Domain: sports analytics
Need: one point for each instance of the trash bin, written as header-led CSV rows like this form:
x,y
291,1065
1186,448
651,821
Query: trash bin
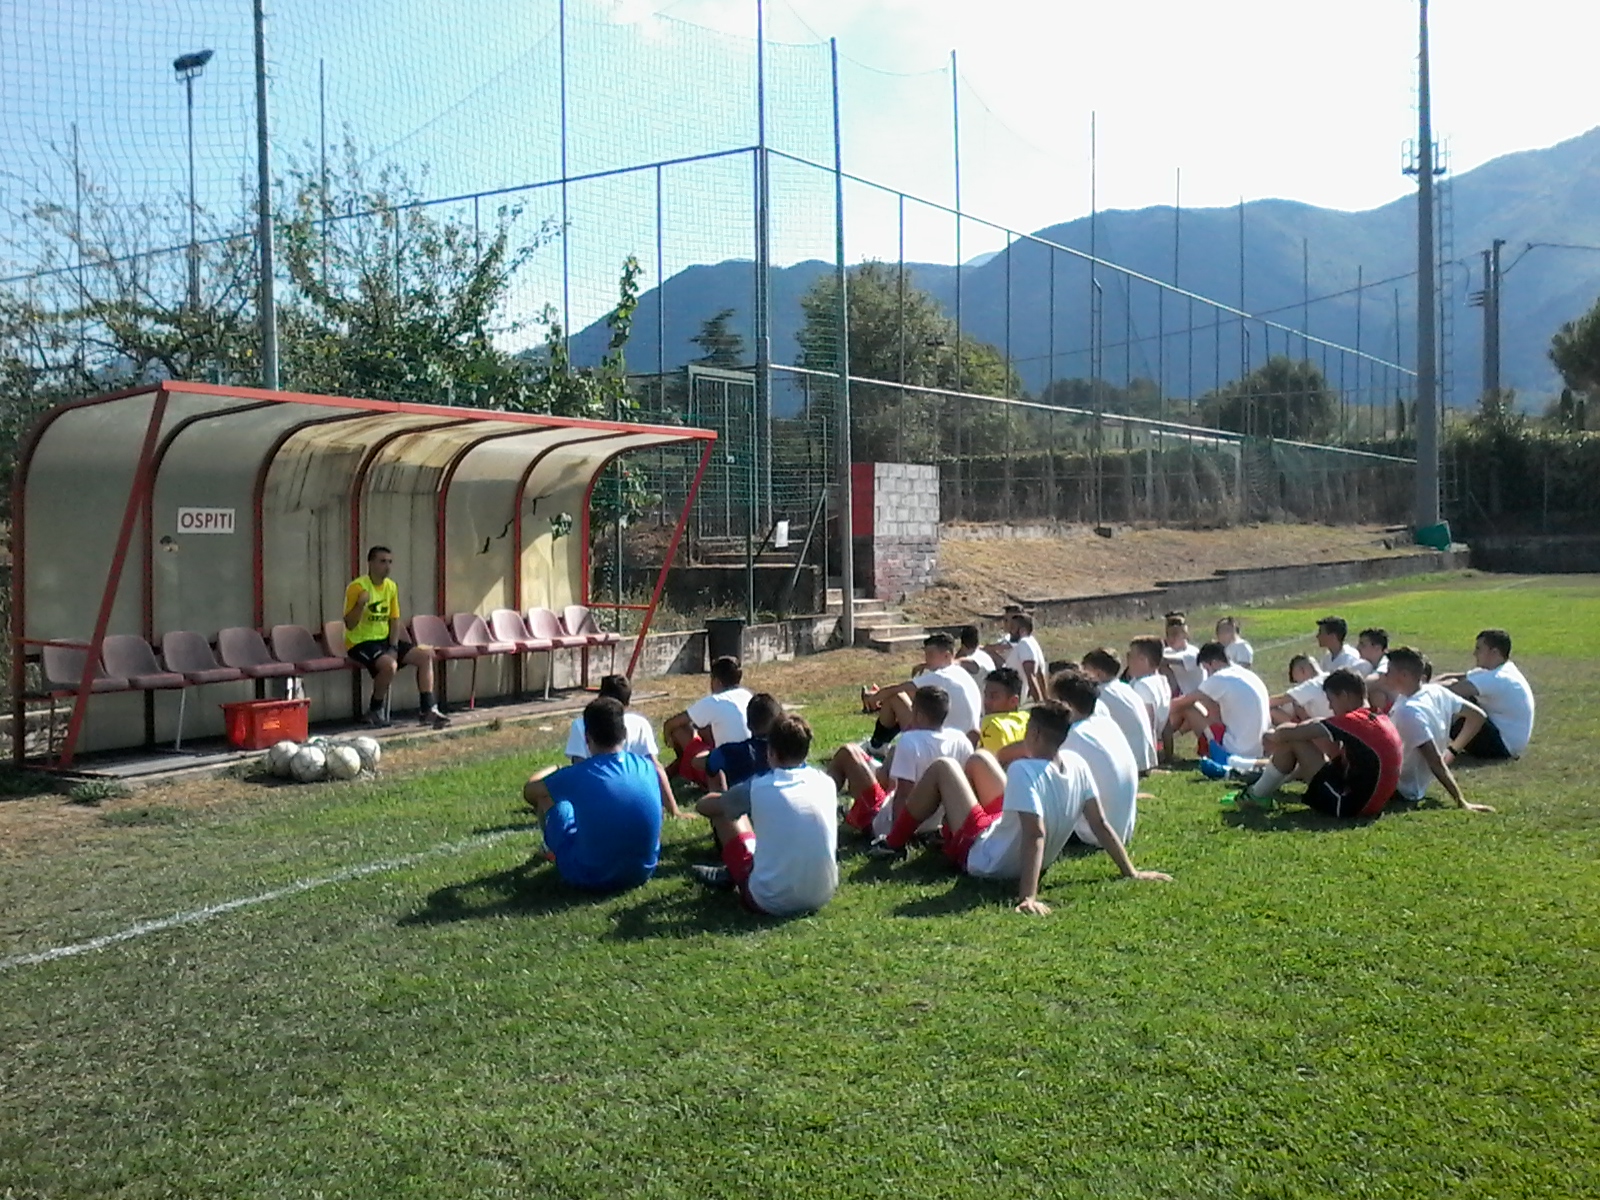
x,y
724,637
1435,537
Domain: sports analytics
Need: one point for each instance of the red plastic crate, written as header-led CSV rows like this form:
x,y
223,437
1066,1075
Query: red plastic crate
x,y
257,724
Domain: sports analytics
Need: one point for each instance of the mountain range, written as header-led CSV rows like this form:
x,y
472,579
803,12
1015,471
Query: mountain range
x,y
1545,198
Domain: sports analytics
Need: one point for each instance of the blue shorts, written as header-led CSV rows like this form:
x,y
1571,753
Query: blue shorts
x,y
562,841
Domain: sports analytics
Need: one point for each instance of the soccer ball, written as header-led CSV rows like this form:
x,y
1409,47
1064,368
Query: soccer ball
x,y
278,758
368,749
344,762
308,764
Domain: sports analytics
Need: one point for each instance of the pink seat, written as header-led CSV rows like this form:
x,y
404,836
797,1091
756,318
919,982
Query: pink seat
x,y
545,625
297,646
189,654
63,671
470,630
246,650
130,657
429,630
579,622
507,626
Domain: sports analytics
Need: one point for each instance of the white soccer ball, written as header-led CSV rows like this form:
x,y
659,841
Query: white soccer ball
x,y
344,762
369,750
308,764
279,756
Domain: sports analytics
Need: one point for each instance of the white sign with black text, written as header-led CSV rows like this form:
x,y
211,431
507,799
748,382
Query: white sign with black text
x,y
205,520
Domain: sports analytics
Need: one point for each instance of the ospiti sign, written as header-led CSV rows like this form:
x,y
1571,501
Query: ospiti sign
x,y
205,520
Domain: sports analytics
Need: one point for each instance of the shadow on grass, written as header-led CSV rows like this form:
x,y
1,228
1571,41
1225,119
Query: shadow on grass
x,y
531,889
691,912
22,785
1295,819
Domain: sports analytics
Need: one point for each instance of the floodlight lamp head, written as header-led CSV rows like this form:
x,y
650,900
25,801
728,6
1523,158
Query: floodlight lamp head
x,y
189,66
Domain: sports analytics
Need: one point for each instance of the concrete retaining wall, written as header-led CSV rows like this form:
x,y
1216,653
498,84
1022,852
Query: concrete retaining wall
x,y
1535,554
1239,586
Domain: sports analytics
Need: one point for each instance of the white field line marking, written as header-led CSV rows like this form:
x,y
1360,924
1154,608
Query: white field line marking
x,y
196,916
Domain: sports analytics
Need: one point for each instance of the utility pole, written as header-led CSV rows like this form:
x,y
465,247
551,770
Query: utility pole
x,y
188,68
1427,405
266,301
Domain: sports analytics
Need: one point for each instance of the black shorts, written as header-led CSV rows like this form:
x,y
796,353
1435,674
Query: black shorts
x,y
1344,787
1488,744
368,653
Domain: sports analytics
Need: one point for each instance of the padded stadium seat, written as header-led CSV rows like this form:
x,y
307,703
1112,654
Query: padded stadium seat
x,y
431,631
472,634
546,625
190,655
507,626
63,671
130,657
246,650
578,620
297,646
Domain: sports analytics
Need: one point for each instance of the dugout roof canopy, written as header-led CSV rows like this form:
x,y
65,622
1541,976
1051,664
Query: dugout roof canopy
x,y
193,506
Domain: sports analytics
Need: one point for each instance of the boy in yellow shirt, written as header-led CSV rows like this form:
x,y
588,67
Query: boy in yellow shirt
x,y
1004,722
371,622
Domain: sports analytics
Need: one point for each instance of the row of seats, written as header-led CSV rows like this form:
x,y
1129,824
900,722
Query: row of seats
x,y
186,659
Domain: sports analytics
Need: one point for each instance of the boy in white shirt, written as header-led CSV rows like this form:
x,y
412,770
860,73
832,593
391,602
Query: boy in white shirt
x,y
1097,740
1337,654
641,737
716,719
1423,714
1231,708
1305,700
1153,687
893,704
978,661
1498,687
874,786
1122,704
779,831
1373,647
1022,653
1240,652
1178,663
1019,833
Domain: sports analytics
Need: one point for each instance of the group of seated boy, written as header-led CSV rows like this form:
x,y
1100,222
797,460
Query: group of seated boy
x,y
1002,759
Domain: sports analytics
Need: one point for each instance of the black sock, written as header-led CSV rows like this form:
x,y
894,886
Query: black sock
x,y
376,705
425,701
882,735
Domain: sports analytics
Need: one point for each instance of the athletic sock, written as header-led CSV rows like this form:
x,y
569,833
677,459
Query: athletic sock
x,y
882,735
905,824
425,701
1271,780
376,704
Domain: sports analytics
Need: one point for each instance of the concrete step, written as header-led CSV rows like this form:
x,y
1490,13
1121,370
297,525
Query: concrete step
x,y
887,629
901,643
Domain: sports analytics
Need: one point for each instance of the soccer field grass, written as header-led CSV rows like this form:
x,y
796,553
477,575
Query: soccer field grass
x,y
1404,1007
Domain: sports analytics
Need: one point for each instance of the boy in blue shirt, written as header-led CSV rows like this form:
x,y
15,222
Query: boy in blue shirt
x,y
736,762
601,816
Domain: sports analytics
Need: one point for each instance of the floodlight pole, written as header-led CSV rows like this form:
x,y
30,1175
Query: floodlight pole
x,y
194,241
265,302
762,456
1427,403
846,506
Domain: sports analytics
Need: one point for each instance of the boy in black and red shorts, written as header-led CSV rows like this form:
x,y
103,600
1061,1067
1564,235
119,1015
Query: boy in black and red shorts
x,y
1350,760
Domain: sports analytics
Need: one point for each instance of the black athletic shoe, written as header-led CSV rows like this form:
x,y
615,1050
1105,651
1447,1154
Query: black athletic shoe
x,y
881,849
433,718
712,875
930,839
376,720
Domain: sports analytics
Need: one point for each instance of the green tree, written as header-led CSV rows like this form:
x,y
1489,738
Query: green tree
x,y
907,340
723,347
1575,352
1282,398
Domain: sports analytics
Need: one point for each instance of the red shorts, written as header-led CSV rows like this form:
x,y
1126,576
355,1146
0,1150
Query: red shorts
x,y
739,856
866,807
959,844
1218,732
685,767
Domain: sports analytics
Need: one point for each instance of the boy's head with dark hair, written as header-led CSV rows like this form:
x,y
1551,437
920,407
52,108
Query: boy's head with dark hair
x,y
1407,666
726,673
1144,655
1371,643
1002,691
930,707
1176,631
603,725
1331,632
1228,628
1492,648
1102,664
618,688
379,561
1023,621
969,638
374,551
789,741
1059,664
938,650
1302,668
761,713
1048,724
1346,690
1076,690
1214,655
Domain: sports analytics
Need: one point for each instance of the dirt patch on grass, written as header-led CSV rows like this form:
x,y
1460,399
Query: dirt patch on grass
x,y
978,576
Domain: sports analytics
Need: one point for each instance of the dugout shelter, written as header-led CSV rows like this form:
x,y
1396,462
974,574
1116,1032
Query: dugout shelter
x,y
192,507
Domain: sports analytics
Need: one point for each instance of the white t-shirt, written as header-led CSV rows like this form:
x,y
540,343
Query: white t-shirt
x,y
1156,693
1185,667
641,737
1053,791
1378,668
1026,649
1100,744
1504,694
1126,708
795,815
1240,652
1244,708
1310,696
724,712
915,751
966,702
981,659
1424,717
1347,659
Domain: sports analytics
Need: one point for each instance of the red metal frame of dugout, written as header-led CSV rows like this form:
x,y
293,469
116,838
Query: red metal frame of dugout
x,y
153,451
